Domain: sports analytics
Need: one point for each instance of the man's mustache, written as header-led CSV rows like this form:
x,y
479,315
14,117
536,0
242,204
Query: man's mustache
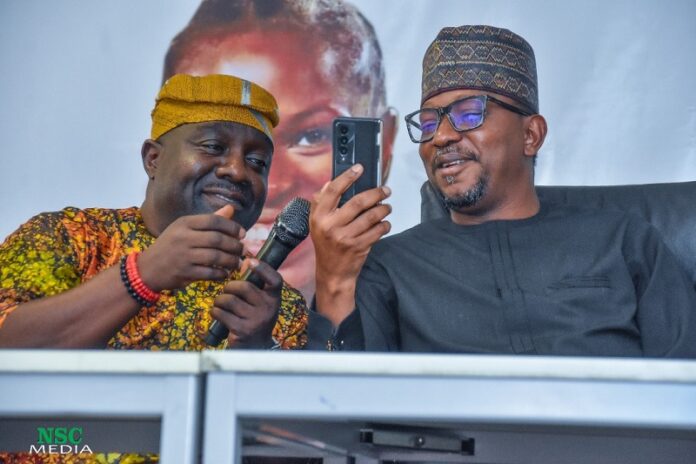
x,y
465,155
242,189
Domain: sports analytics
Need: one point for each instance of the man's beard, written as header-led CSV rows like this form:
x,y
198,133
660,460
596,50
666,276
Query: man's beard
x,y
468,198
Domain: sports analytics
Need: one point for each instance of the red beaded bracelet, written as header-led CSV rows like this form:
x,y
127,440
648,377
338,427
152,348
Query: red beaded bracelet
x,y
140,287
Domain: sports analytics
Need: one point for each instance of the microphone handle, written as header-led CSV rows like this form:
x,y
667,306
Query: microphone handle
x,y
272,252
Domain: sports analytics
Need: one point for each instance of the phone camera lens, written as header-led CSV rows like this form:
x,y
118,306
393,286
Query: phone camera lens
x,y
343,129
343,140
343,150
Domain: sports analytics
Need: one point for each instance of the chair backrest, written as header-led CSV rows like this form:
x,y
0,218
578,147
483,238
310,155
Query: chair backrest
x,y
670,207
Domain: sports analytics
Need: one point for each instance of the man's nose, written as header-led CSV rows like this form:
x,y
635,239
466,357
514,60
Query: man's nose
x,y
233,167
445,133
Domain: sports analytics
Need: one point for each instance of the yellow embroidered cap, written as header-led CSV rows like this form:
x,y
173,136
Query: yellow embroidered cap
x,y
186,99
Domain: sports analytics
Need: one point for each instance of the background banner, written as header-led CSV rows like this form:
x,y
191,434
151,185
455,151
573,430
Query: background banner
x,y
79,81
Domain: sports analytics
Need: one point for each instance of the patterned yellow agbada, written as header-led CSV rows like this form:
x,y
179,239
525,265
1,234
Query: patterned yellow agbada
x,y
54,252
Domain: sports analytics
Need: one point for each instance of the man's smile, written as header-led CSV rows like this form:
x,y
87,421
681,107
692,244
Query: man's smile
x,y
227,194
451,163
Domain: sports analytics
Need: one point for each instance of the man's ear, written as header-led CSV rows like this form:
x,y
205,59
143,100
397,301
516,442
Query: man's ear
x,y
150,153
534,134
390,125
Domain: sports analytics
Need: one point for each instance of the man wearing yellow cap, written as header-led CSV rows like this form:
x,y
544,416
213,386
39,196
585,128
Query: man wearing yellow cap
x,y
152,277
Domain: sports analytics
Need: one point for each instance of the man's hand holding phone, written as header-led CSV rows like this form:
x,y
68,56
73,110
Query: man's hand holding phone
x,y
342,239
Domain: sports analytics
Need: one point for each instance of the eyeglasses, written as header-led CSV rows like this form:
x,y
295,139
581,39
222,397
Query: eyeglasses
x,y
464,115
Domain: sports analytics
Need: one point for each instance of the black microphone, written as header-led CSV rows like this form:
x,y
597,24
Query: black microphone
x,y
289,229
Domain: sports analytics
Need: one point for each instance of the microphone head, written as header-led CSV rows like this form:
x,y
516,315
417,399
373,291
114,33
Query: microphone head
x,y
292,224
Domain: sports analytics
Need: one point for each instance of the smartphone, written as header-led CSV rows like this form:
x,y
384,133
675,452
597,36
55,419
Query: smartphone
x,y
358,140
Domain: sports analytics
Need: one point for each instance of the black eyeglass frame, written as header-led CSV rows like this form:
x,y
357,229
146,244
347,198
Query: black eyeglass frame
x,y
445,111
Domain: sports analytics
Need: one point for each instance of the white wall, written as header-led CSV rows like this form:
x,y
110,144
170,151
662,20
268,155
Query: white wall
x,y
79,80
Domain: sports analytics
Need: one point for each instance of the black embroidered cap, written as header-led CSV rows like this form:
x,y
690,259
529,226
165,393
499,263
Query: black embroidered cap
x,y
484,58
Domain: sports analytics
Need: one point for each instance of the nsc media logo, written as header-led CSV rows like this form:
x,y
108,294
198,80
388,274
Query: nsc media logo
x,y
59,440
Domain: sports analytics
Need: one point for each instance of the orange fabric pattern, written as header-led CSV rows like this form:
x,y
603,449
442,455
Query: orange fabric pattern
x,y
54,252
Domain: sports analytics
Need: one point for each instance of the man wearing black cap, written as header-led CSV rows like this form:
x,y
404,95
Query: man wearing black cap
x,y
504,273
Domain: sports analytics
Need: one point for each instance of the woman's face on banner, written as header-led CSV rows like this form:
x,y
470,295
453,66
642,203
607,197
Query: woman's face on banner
x,y
293,66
